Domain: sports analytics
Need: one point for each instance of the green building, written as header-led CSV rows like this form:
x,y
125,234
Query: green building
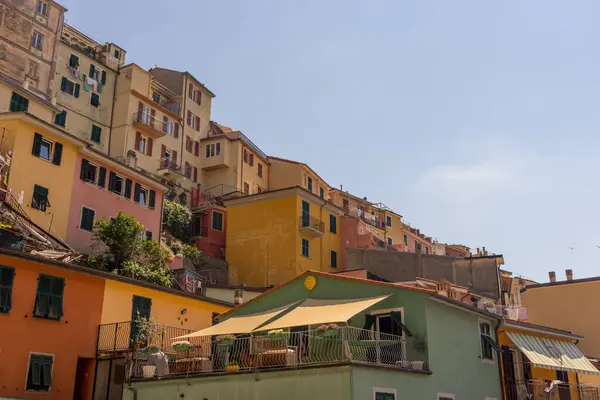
x,y
327,337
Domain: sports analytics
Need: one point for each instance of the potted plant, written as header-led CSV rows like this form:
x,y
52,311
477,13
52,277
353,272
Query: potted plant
x,y
182,345
276,334
326,330
225,340
148,371
233,367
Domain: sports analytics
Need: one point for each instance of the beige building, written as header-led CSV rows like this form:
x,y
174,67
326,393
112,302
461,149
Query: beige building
x,y
287,173
86,74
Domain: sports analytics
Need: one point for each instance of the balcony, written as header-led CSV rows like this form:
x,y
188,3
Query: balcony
x,y
534,389
151,125
344,345
216,161
312,226
170,169
119,337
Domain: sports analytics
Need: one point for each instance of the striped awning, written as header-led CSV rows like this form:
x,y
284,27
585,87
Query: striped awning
x,y
553,354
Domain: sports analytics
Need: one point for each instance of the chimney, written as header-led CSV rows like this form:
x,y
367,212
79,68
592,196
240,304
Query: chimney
x,y
484,251
552,276
478,252
341,188
238,296
569,274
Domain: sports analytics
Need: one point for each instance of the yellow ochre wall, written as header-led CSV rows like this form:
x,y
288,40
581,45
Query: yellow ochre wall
x,y
27,170
166,307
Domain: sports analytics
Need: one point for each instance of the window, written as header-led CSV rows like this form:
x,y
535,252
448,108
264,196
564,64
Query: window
x,y
251,160
34,67
345,204
141,145
94,72
305,213
96,134
117,54
305,247
40,198
142,195
7,277
91,172
259,189
416,245
73,61
189,144
68,87
321,193
384,394
60,119
115,184
246,156
389,241
445,396
87,219
217,221
213,150
405,239
259,170
333,259
246,188
42,8
156,97
37,40
487,342
49,297
332,223
18,103
388,220
148,235
39,372
191,91
309,184
143,198
95,100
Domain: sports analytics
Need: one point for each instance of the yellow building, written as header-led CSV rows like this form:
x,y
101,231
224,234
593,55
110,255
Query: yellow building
x,y
42,165
534,356
569,304
274,236
287,173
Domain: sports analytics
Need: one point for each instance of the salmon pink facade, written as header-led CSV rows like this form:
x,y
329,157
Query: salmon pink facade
x,y
102,188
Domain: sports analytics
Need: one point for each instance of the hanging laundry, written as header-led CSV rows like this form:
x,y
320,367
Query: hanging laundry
x,y
92,82
86,87
100,86
82,77
76,74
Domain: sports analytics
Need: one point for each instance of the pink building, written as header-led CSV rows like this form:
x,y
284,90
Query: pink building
x,y
208,224
101,188
416,242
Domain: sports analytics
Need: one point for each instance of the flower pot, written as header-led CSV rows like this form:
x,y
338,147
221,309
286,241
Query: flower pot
x,y
417,364
233,368
148,371
277,337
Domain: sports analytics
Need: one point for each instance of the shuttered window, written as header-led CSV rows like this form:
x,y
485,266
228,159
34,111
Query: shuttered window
x,y
217,221
87,219
60,119
332,223
7,277
18,103
333,259
96,134
49,297
305,247
39,200
95,100
39,374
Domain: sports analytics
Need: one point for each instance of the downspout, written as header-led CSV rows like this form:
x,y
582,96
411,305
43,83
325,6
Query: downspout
x,y
321,239
185,96
112,112
242,169
500,363
55,55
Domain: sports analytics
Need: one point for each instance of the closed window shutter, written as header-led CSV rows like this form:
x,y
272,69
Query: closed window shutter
x,y
198,124
174,156
195,175
152,199
103,77
165,123
84,168
111,181
77,88
136,193
63,84
199,97
208,150
251,159
152,116
176,130
92,69
189,118
102,177
163,151
128,188
150,143
138,141
37,144
140,109
58,147
196,149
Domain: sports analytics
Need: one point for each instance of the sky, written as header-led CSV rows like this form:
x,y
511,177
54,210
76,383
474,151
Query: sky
x,y
476,120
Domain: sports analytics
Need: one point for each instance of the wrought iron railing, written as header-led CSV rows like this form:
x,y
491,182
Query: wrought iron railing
x,y
145,118
121,336
289,350
167,163
542,389
306,221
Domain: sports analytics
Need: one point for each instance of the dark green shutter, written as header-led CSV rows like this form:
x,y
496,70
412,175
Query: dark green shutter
x,y
63,84
102,177
58,147
84,168
96,133
136,193
128,188
111,181
37,144
77,87
92,69
332,223
103,78
152,201
7,276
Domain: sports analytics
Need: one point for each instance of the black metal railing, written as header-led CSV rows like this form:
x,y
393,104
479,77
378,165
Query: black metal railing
x,y
306,221
167,163
121,336
543,389
145,118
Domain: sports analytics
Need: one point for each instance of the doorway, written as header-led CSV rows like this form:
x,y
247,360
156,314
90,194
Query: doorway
x,y
84,379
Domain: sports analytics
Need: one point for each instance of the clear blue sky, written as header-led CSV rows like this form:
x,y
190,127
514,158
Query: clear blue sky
x,y
476,120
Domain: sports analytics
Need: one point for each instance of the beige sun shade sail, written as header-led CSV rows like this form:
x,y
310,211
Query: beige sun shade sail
x,y
313,312
241,324
553,354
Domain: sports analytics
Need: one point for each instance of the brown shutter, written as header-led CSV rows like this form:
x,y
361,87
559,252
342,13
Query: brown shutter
x,y
150,143
195,175
189,118
140,109
251,159
174,156
152,115
163,150
165,123
196,148
199,97
176,130
198,124
191,90
138,139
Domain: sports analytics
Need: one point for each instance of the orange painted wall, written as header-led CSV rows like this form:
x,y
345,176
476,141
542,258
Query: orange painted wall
x,y
72,337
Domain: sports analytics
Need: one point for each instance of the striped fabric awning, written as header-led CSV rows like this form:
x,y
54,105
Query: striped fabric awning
x,y
553,354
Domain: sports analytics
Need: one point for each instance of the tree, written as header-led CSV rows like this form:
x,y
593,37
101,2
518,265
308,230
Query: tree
x,y
176,219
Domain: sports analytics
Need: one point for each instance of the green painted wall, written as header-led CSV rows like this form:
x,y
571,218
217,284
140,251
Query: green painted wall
x,y
331,383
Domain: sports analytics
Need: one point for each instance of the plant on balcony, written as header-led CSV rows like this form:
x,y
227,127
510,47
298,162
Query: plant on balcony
x,y
148,332
176,219
182,345
326,330
233,367
277,334
225,339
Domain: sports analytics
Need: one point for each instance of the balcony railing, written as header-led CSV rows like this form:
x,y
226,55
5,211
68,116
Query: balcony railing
x,y
120,336
345,345
167,163
312,225
146,119
539,389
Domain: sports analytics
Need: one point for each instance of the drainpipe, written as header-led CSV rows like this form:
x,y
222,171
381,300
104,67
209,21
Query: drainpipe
x,y
500,363
321,239
242,170
185,96
112,112
133,391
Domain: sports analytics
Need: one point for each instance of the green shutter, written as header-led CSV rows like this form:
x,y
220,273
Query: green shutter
x,y
103,81
95,100
128,188
58,147
102,177
152,201
77,88
96,133
7,277
37,144
47,369
84,168
92,69
49,297
63,84
61,119
111,181
136,193
36,372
